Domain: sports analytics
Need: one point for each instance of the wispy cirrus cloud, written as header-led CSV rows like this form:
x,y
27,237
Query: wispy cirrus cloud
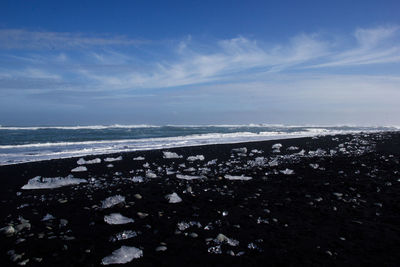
x,y
105,63
24,39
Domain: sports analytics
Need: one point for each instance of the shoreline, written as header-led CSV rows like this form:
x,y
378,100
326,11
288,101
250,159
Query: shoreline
x,y
121,151
308,208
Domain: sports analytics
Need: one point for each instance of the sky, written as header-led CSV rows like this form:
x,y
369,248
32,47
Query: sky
x,y
199,62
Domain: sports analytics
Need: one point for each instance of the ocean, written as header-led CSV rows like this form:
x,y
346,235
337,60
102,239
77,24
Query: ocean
x,y
25,144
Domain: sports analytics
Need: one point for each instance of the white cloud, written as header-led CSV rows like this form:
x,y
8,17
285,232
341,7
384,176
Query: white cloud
x,y
24,39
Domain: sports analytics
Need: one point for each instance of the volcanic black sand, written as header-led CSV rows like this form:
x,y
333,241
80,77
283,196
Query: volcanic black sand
x,y
337,203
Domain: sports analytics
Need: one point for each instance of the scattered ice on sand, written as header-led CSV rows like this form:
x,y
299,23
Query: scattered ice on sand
x,y
241,177
139,158
112,201
173,198
48,217
82,161
287,171
314,166
150,174
113,159
221,238
194,158
47,183
117,218
171,155
277,146
188,177
240,150
122,255
79,169
123,235
137,179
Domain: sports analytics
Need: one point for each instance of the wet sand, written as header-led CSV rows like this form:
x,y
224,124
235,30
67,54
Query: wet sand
x,y
336,203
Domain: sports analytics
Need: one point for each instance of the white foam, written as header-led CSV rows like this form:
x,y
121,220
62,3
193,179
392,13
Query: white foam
x,y
123,255
48,183
171,155
117,218
79,169
189,177
173,198
112,201
241,177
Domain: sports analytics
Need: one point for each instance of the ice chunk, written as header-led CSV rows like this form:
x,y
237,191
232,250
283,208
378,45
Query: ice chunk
x,y
47,183
277,146
287,171
188,177
221,238
314,166
171,155
79,169
256,151
291,148
48,217
212,162
194,158
123,235
240,150
117,218
81,161
137,179
113,159
241,177
122,255
139,158
112,201
150,174
173,198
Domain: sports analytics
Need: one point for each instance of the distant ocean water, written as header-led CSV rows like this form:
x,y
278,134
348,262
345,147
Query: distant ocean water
x,y
24,144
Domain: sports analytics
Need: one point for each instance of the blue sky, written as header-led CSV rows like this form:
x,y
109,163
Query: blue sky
x,y
199,62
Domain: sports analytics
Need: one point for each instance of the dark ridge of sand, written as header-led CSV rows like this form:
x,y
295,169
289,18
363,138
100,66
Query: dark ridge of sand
x,y
345,211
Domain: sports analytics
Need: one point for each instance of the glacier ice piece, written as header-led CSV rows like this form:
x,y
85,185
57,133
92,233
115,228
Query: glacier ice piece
x,y
39,182
123,255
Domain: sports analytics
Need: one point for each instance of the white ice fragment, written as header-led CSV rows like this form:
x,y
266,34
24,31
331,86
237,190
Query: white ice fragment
x,y
212,162
291,148
117,218
240,150
151,175
188,177
241,177
122,255
110,166
273,163
137,179
112,201
171,155
221,238
79,169
123,235
48,183
194,158
287,171
139,158
256,151
82,161
113,159
173,198
48,217
277,146
314,166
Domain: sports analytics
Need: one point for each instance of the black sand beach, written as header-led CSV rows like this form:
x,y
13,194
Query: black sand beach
x,y
337,203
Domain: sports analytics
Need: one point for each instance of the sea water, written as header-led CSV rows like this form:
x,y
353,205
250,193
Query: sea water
x,y
25,144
